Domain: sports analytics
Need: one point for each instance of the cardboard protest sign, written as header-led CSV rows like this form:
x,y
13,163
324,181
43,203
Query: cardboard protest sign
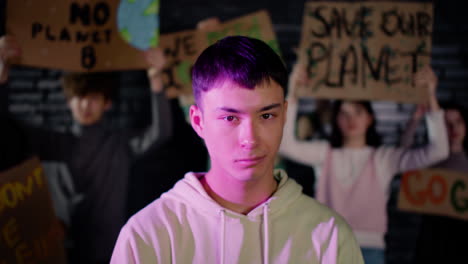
x,y
183,48
29,231
82,35
138,22
435,191
365,50
255,25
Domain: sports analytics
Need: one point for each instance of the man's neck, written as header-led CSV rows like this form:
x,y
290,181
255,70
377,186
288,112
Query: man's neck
x,y
238,196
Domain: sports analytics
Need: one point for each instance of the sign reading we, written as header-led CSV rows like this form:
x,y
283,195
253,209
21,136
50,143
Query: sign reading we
x,y
256,25
81,35
365,50
29,231
434,191
183,48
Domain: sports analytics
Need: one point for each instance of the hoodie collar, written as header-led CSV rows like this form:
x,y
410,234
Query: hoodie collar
x,y
190,191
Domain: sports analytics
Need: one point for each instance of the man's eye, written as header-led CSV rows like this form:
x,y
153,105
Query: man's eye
x,y
267,116
230,118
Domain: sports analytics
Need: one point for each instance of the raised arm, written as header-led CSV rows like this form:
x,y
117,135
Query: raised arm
x,y
9,49
306,152
49,145
161,125
403,159
407,137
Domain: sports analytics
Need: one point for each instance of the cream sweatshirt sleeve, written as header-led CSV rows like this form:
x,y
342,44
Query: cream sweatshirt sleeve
x,y
390,160
131,248
311,153
349,251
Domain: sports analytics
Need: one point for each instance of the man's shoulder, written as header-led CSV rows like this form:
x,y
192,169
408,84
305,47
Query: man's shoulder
x,y
155,208
316,212
153,216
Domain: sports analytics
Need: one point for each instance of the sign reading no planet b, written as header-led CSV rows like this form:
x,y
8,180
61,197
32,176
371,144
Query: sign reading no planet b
x,y
435,191
84,35
365,50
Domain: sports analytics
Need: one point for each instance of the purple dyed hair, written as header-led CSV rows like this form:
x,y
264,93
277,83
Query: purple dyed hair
x,y
245,61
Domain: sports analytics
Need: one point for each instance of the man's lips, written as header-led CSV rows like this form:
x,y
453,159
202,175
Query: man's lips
x,y
250,160
86,114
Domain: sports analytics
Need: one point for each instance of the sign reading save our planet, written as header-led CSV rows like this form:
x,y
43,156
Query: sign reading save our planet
x,y
366,49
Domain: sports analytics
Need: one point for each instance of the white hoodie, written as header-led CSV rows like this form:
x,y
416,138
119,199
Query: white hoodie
x,y
186,225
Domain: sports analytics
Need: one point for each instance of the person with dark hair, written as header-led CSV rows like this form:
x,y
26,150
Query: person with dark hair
x,y
241,210
97,157
372,138
456,120
356,172
442,239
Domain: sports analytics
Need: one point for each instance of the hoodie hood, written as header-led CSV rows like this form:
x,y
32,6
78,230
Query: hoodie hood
x,y
187,226
191,192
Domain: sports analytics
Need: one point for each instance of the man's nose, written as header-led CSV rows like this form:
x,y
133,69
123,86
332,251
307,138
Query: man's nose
x,y
84,103
249,135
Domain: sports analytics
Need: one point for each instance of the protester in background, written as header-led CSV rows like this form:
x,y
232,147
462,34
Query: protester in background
x,y
442,239
97,157
241,210
183,152
355,170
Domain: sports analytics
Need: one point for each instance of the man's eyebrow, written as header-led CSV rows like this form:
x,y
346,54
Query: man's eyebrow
x,y
269,107
229,110
236,111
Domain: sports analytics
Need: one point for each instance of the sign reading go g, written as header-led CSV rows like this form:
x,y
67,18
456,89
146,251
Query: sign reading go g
x,y
434,191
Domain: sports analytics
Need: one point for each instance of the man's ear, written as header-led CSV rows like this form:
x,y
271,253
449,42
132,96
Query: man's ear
x,y
196,119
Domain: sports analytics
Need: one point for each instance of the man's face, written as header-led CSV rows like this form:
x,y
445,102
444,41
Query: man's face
x,y
353,120
89,109
242,128
456,127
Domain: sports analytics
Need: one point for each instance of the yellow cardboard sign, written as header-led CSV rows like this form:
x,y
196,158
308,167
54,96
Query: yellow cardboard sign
x,y
29,230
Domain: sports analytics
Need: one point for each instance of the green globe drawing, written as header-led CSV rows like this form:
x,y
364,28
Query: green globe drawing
x,y
138,22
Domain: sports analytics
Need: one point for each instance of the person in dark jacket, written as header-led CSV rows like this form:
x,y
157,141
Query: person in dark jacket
x,y
98,158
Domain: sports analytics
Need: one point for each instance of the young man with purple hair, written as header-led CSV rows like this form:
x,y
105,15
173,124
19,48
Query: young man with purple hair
x,y
242,210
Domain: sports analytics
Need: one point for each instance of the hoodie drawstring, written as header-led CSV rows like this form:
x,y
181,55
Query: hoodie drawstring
x,y
266,238
223,229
